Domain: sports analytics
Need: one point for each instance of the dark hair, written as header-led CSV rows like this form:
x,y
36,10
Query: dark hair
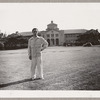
x,y
34,30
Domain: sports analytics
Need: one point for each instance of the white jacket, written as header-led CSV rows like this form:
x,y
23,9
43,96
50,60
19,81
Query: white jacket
x,y
35,45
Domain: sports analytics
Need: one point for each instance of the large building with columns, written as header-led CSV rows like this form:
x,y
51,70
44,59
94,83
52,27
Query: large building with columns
x,y
57,37
53,35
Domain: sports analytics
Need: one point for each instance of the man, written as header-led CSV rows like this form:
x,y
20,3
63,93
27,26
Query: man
x,y
36,44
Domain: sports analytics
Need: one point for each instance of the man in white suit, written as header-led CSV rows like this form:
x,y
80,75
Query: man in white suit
x,y
36,44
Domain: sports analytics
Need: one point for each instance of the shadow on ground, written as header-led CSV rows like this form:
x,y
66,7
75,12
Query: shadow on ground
x,y
17,82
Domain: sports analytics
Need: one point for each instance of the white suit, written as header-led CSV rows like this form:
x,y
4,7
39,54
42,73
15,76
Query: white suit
x,y
35,45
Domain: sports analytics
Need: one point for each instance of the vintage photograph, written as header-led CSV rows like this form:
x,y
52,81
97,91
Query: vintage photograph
x,y
50,46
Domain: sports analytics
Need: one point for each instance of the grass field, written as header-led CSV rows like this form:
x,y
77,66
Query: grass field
x,y
65,68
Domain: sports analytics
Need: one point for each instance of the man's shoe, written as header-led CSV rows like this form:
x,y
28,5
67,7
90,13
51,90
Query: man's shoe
x,y
40,78
33,78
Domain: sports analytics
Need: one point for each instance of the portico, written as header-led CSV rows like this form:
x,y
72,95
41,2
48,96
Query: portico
x,y
52,37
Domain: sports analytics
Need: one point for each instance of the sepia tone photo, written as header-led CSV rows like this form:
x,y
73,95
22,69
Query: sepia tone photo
x,y
49,46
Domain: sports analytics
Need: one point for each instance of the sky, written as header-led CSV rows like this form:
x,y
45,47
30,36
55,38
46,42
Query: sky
x,y
23,17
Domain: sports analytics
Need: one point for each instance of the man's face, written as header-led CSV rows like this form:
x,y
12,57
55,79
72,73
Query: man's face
x,y
35,32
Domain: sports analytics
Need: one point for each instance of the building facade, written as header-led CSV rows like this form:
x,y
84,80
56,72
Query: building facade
x,y
71,36
56,37
53,35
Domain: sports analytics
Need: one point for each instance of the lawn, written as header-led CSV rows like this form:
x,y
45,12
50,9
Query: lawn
x,y
65,68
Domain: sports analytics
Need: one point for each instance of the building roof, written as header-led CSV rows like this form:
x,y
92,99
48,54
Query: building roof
x,y
28,33
25,33
73,31
52,23
70,31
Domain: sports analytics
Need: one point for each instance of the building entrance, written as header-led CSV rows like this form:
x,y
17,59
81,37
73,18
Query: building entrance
x,y
48,40
52,42
57,41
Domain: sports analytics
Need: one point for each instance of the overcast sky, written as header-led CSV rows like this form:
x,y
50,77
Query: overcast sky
x,y
24,16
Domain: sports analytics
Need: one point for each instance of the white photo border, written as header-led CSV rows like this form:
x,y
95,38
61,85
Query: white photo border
x,y
49,94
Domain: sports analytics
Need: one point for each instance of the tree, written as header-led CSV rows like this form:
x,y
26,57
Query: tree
x,y
91,36
1,46
15,42
1,35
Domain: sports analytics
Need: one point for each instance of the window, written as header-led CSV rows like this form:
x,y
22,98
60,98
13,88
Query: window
x,y
48,35
52,35
67,35
56,35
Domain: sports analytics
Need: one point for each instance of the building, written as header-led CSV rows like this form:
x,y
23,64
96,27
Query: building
x,y
56,37
53,35
70,36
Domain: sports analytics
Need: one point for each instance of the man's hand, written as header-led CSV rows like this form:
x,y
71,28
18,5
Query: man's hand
x,y
30,57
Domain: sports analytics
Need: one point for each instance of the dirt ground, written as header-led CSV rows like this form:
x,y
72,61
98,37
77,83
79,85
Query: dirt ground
x,y
65,68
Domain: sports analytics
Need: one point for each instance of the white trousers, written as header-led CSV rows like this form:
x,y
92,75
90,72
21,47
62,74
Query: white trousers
x,y
36,67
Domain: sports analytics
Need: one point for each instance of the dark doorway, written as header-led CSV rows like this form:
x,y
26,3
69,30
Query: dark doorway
x,y
48,40
57,41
